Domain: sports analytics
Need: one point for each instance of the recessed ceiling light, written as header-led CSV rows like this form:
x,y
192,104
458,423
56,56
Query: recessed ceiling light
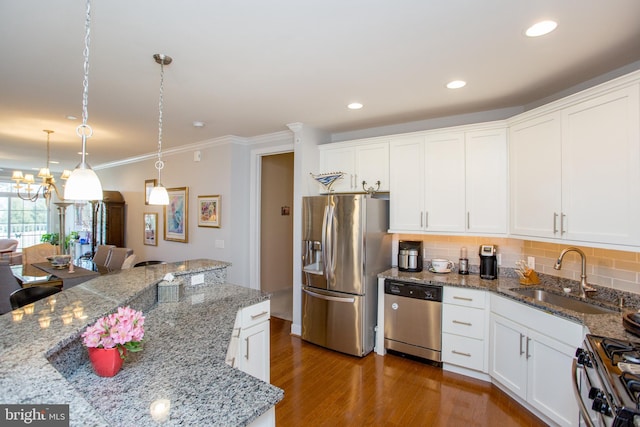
x,y
355,106
70,117
541,28
198,124
456,84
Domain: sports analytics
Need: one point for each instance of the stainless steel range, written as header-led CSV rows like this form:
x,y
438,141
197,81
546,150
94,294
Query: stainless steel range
x,y
606,374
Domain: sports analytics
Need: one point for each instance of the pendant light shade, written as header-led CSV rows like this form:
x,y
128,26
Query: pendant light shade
x,y
159,195
83,183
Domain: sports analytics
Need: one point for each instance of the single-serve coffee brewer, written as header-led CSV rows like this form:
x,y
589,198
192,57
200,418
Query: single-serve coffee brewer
x,y
488,262
410,255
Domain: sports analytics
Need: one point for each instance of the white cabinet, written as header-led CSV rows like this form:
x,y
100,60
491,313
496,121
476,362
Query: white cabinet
x,y
486,181
361,162
531,354
249,349
464,329
574,171
449,182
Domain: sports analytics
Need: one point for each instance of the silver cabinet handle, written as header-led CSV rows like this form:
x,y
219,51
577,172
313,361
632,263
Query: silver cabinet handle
x,y
246,356
461,353
421,222
426,219
463,298
555,221
468,220
528,355
461,323
255,316
562,223
521,350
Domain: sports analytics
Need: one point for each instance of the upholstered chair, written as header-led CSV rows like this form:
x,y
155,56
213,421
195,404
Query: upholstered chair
x,y
8,284
101,256
117,257
38,253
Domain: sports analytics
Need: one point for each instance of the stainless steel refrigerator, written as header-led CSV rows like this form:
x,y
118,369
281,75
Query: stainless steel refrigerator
x,y
344,246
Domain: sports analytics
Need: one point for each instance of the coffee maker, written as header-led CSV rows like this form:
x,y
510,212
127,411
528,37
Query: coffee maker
x,y
410,255
488,262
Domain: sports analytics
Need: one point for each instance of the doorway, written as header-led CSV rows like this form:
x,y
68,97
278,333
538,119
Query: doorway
x,y
276,232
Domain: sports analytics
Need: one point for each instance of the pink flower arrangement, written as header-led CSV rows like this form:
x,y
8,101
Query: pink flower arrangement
x,y
123,329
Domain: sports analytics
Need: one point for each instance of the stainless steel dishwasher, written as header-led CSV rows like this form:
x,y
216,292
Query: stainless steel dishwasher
x,y
413,319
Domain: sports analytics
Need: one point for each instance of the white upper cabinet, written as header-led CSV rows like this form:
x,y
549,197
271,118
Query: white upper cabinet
x,y
535,177
486,181
449,182
574,171
601,169
361,162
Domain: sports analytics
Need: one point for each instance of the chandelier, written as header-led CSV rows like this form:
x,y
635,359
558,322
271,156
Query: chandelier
x,y
31,191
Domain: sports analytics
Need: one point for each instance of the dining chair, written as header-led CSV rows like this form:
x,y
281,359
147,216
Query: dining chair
x,y
24,296
128,262
101,256
150,262
117,257
38,253
8,284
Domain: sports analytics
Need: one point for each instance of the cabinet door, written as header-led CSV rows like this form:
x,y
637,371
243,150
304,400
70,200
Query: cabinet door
x,y
444,182
601,169
535,171
406,198
508,363
372,165
339,160
486,181
549,387
254,349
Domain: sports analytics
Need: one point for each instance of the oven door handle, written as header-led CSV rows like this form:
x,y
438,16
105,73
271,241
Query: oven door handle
x,y
576,390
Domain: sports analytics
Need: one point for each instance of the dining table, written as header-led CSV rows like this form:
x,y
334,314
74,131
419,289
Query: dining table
x,y
69,278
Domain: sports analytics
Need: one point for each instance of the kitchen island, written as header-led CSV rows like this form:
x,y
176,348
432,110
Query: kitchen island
x,y
43,361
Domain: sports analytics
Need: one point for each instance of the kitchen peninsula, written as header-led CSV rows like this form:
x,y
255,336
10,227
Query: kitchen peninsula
x,y
43,361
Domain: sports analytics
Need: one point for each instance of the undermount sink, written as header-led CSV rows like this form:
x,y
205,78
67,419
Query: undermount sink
x,y
563,301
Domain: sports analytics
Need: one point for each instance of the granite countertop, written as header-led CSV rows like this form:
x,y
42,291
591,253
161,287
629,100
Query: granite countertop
x,y
183,359
609,325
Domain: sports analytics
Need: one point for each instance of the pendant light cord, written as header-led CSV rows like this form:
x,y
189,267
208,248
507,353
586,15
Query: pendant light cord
x,y
159,163
84,130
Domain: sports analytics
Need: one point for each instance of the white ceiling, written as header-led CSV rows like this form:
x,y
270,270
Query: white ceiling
x,y
249,67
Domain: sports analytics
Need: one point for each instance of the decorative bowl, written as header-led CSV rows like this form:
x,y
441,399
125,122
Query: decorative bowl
x,y
59,261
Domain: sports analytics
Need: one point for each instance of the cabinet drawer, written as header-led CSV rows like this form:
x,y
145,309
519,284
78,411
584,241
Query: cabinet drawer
x,y
255,314
462,351
463,296
467,322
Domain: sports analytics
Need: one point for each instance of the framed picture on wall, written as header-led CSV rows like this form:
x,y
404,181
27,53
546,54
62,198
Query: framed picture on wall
x,y
150,229
176,215
148,186
209,211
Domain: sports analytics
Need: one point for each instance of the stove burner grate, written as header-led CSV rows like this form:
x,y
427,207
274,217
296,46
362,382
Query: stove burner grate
x,y
621,351
631,383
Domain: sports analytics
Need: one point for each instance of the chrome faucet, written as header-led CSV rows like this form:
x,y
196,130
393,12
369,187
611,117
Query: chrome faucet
x,y
584,287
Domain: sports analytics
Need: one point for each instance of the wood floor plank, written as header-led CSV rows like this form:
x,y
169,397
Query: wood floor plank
x,y
327,388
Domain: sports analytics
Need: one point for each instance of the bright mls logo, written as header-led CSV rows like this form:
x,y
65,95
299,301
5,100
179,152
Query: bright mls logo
x,y
34,415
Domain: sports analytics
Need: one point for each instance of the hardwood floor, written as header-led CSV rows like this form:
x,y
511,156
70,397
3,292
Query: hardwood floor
x,y
327,388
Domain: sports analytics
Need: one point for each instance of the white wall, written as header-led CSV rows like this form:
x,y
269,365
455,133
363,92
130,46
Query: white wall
x,y
224,169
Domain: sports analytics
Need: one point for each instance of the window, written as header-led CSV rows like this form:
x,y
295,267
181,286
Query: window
x,y
24,221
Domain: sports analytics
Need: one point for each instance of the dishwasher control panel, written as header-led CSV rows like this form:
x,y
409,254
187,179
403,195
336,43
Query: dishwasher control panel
x,y
413,290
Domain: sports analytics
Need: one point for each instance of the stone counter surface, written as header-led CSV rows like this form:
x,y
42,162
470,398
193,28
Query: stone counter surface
x,y
609,325
183,358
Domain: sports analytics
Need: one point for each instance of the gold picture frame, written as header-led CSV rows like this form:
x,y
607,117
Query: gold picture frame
x,y
176,215
148,186
209,210
150,221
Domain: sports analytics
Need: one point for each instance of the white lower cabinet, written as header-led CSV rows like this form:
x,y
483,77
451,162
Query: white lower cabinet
x,y
464,330
249,349
531,354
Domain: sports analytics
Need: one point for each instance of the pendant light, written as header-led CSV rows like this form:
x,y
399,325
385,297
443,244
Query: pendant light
x,y
159,195
83,184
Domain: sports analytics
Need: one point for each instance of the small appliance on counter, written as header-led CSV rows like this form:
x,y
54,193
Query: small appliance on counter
x,y
488,262
410,255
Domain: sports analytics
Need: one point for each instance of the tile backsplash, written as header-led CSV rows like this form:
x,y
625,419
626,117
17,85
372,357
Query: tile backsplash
x,y
609,268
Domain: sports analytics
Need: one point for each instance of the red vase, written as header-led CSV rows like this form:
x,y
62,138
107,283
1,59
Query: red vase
x,y
106,361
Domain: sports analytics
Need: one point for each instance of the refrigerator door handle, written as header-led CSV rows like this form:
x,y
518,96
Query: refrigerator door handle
x,y
329,298
325,258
